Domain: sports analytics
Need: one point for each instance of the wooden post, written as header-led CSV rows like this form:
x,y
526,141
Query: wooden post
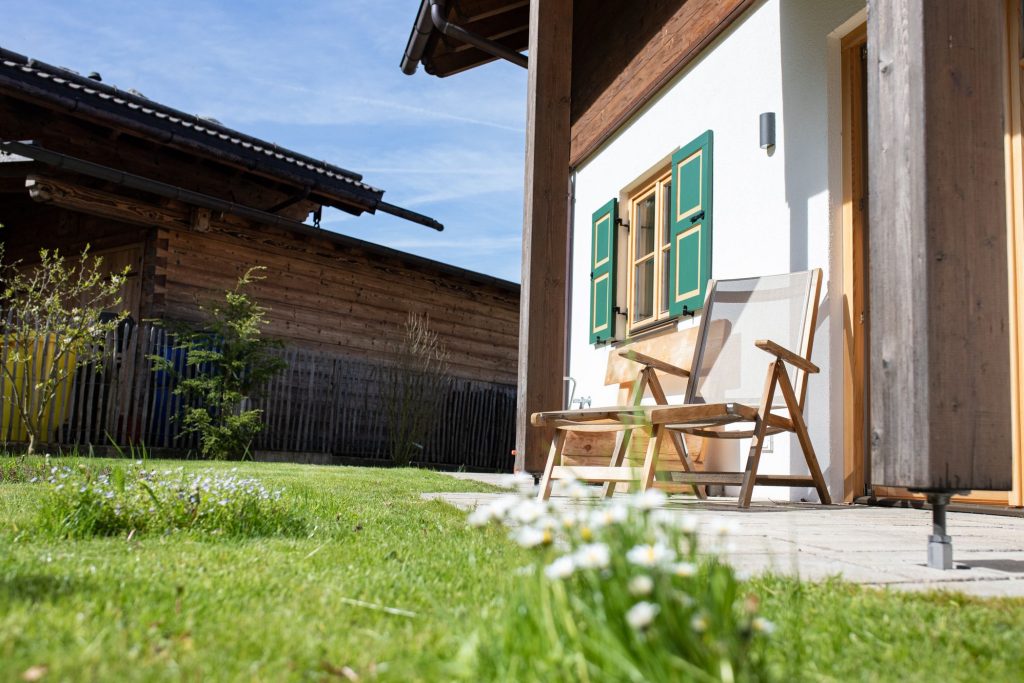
x,y
543,298
940,343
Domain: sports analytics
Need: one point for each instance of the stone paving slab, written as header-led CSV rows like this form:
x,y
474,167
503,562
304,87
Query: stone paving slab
x,y
878,546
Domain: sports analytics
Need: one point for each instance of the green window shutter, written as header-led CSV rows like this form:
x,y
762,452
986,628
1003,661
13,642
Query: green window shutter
x,y
690,205
604,246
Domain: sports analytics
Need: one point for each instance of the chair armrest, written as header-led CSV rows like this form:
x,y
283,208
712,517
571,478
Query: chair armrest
x,y
654,363
786,355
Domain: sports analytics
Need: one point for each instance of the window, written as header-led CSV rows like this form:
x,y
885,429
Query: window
x,y
649,249
668,251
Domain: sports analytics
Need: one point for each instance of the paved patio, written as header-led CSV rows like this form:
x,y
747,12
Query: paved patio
x,y
869,545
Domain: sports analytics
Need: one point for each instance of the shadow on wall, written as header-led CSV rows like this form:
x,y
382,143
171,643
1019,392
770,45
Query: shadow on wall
x,y
804,27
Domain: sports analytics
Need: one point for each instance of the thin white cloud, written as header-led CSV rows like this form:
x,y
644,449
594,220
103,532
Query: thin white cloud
x,y
321,77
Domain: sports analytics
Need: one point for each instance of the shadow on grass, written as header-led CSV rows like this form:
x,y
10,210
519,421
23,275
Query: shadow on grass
x,y
37,587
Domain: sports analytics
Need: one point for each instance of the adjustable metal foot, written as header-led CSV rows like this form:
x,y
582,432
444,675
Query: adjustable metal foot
x,y
940,545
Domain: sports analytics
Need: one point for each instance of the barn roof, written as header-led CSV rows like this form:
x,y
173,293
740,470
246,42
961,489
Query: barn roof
x,y
90,98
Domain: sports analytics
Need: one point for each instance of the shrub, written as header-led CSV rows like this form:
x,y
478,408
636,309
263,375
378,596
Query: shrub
x,y
52,321
618,592
130,499
414,388
231,362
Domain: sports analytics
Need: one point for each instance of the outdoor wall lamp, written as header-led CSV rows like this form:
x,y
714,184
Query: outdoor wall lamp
x,y
768,130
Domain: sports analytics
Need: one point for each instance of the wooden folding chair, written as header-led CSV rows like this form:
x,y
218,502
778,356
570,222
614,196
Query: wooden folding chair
x,y
744,371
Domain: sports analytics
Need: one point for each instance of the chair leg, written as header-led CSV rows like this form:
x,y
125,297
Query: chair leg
x,y
554,454
796,415
677,438
618,456
757,442
651,459
684,457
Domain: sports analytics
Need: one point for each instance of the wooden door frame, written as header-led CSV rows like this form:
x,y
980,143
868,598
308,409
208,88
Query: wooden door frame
x,y
854,266
1015,227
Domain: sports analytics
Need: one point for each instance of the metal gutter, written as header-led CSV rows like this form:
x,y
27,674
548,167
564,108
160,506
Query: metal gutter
x,y
417,44
433,14
29,149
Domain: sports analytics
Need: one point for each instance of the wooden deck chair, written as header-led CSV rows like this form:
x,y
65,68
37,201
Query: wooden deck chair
x,y
748,379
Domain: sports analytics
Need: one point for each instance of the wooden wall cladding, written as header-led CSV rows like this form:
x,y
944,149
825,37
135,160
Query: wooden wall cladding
x,y
622,57
334,298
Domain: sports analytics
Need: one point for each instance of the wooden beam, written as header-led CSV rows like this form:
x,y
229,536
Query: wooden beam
x,y
544,294
616,77
66,195
940,342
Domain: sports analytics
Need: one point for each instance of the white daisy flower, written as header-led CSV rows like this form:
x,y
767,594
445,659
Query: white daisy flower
x,y
616,513
641,585
530,537
570,519
651,555
577,491
689,523
649,499
699,623
481,516
762,625
528,511
684,569
500,506
642,614
593,556
547,523
562,568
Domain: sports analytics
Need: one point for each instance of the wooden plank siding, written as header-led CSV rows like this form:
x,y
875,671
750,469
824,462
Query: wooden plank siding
x,y
342,300
623,56
323,293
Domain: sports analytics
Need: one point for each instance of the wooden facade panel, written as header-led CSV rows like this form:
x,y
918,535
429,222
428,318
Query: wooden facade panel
x,y
310,270
940,392
363,337
622,57
344,300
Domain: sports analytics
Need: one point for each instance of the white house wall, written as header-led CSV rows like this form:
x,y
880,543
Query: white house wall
x,y
771,211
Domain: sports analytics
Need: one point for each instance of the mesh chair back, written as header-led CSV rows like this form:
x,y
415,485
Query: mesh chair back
x,y
727,367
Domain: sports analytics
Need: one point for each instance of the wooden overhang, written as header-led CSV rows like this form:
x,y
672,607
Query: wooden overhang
x,y
84,101
506,22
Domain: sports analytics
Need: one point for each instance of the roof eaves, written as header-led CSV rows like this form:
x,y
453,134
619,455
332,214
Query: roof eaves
x,y
78,93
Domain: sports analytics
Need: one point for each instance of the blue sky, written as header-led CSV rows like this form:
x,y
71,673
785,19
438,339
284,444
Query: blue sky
x,y
320,77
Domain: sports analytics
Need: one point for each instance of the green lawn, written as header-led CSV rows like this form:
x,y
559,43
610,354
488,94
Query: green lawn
x,y
304,608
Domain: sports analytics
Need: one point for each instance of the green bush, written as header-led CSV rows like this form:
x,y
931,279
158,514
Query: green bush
x,y
618,593
230,363
52,323
130,499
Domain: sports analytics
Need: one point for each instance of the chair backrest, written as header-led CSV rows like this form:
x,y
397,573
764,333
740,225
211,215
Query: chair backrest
x,y
727,367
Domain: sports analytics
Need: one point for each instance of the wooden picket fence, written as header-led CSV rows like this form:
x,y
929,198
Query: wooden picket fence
x,y
320,404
